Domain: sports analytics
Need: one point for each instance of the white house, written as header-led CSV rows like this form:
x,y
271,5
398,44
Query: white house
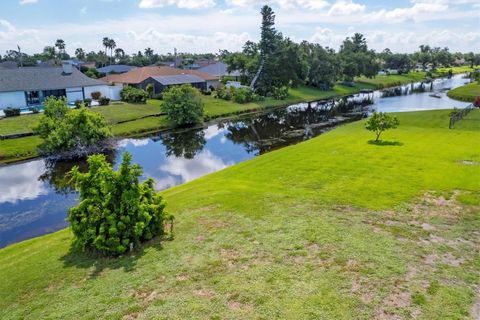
x,y
24,87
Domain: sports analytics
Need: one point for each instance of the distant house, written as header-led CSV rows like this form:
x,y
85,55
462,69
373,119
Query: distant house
x,y
162,77
219,69
30,86
116,69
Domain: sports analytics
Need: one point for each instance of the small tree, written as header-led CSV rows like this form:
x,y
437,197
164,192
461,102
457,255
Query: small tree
x,y
133,95
63,129
183,105
150,90
380,122
116,211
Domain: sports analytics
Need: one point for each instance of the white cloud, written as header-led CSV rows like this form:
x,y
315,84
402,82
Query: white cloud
x,y
186,4
283,4
20,182
346,8
24,2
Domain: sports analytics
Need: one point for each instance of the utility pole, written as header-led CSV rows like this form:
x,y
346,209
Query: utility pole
x,y
20,56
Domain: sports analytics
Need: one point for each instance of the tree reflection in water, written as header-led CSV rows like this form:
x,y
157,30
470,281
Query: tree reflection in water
x,y
185,144
56,173
279,128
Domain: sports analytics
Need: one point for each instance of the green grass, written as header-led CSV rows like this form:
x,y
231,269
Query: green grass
x,y
333,228
466,93
470,122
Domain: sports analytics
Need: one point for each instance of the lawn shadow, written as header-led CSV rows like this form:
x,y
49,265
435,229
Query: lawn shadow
x,y
385,143
87,259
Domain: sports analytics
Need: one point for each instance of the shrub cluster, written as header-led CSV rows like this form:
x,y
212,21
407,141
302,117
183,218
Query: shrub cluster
x,y
11,112
476,102
238,95
183,105
63,129
133,95
116,212
280,93
104,101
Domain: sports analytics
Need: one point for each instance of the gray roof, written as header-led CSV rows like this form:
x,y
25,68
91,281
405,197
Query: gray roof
x,y
117,68
219,69
32,79
178,79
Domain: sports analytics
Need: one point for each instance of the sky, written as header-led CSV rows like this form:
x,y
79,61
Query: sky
x,y
210,25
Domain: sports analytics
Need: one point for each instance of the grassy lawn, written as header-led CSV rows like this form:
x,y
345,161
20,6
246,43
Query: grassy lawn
x,y
334,228
470,122
466,93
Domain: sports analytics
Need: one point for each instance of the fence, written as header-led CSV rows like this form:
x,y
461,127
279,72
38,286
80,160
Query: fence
x,y
460,115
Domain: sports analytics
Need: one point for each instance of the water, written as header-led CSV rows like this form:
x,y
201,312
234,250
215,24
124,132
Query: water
x,y
35,196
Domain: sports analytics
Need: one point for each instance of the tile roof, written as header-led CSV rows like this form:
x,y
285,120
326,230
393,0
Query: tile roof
x,y
141,74
32,79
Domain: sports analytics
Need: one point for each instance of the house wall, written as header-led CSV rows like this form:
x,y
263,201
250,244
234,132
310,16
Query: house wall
x,y
103,89
213,83
74,94
14,99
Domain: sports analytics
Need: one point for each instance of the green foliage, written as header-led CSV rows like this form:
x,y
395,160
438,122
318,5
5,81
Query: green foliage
x,y
280,93
115,210
63,129
183,105
150,88
11,112
357,59
379,122
133,95
104,101
239,95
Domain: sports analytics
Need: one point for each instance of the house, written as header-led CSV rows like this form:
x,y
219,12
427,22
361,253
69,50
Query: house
x,y
116,69
24,87
219,69
162,77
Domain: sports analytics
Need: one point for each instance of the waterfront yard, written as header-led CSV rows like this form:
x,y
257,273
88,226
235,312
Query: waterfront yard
x,y
334,228
466,93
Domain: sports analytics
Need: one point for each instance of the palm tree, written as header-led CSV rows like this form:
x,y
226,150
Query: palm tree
x,y
60,45
111,45
80,54
119,53
106,44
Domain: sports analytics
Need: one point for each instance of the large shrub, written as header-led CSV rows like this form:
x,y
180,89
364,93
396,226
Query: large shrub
x,y
63,129
96,95
104,101
116,212
133,95
183,105
238,95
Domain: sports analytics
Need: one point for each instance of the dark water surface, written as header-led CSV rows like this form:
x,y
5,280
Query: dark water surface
x,y
34,197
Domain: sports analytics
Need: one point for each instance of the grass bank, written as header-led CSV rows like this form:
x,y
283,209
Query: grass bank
x,y
466,93
136,119
385,81
333,228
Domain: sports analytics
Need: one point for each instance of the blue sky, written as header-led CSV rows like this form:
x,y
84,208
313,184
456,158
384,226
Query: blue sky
x,y
210,25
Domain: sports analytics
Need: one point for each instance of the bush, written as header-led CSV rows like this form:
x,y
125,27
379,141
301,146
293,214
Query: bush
x,y
96,95
34,110
280,93
116,211
63,129
104,101
133,95
11,112
87,102
238,95
183,105
78,104
150,88
380,122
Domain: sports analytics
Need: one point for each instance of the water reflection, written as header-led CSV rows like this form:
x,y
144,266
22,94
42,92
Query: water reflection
x,y
185,144
19,182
